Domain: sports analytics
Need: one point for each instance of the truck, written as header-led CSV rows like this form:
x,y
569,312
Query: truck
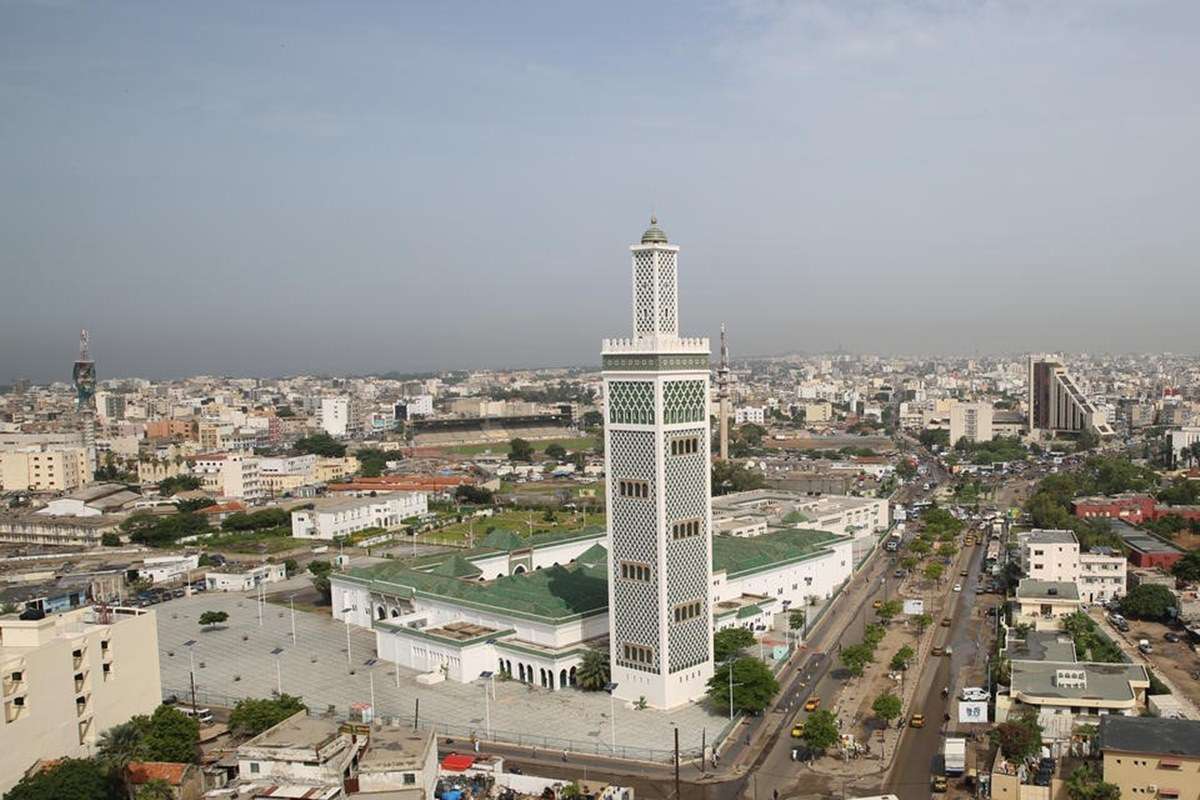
x,y
955,753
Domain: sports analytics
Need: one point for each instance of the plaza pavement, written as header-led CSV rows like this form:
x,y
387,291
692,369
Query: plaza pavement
x,y
235,660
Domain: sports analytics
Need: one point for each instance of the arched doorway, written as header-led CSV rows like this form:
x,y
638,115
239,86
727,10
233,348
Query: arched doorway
x,y
395,613
572,676
519,569
381,612
562,678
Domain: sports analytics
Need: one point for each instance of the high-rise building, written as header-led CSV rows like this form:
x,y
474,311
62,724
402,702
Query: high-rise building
x,y
1056,402
970,421
659,507
340,415
83,376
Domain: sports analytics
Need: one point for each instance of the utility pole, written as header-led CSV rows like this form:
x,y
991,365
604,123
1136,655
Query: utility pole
x,y
677,794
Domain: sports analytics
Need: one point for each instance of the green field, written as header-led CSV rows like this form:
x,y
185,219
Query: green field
x,y
522,522
540,445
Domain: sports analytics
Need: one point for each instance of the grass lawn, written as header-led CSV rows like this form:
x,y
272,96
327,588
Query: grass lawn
x,y
518,521
251,542
540,445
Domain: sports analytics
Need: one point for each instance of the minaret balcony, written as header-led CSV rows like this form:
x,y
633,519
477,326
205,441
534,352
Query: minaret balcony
x,y
656,344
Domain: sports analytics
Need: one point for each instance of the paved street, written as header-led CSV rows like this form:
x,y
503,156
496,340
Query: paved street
x,y
236,660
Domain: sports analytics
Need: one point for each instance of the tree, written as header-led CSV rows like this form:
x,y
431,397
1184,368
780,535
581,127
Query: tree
x,y
1018,739
796,618
902,658
1188,568
155,789
908,563
754,685
921,547
290,566
475,495
122,743
213,618
1085,784
821,730
319,444
731,641
934,571
906,469
930,437
178,483
520,450
1148,601
110,539
1088,440
170,735
922,621
194,504
251,716
887,707
372,461
873,634
593,672
888,611
69,779
320,571
591,419
728,477
856,657
556,451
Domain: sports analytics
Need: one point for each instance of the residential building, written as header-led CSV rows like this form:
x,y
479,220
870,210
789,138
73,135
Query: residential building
x,y
1054,556
1151,757
398,760
1043,604
39,529
69,677
336,517
756,415
234,577
232,474
970,421
301,750
340,416
173,429
820,413
1181,438
44,468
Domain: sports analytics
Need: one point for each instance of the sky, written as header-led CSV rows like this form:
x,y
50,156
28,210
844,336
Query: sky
x,y
275,188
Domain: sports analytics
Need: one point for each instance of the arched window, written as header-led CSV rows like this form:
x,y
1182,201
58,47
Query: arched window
x,y
572,676
395,612
381,612
519,569
562,678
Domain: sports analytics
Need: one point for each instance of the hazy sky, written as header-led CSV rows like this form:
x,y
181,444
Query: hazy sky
x,y
270,188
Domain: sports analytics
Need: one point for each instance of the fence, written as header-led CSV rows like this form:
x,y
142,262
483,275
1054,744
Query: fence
x,y
451,730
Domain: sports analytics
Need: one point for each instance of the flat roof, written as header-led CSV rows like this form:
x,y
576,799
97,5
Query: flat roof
x,y
1109,682
391,748
1047,590
1152,735
1040,536
297,731
1041,646
1139,539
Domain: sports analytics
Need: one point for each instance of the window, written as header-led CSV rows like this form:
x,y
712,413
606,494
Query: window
x,y
637,654
686,611
685,446
636,489
631,570
254,767
409,778
685,529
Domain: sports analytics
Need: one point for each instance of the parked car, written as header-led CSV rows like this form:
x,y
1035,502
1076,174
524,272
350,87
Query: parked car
x,y
1144,646
798,730
813,704
974,694
958,587
1171,636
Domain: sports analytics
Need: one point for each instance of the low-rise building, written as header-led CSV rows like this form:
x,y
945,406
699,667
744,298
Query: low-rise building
x,y
1151,757
69,677
44,468
46,530
336,517
233,474
1054,556
301,750
1043,604
398,760
234,577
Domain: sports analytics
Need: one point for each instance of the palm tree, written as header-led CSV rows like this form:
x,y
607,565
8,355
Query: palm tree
x,y
592,674
120,744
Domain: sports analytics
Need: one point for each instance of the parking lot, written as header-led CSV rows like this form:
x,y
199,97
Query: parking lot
x,y
239,659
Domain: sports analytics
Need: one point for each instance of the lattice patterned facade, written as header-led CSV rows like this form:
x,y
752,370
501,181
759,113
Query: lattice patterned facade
x,y
660,550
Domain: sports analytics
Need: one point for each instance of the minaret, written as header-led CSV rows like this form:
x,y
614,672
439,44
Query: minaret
x,y
723,395
83,375
656,454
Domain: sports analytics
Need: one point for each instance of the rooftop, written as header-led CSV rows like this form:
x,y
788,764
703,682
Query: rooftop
x,y
1152,735
393,748
1032,589
739,555
1049,537
1140,540
1107,682
298,731
1041,646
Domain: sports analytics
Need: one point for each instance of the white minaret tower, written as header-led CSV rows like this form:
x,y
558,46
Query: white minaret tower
x,y
656,450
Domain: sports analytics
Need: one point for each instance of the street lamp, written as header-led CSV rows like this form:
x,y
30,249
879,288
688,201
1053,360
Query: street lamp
x,y
487,702
345,616
729,663
292,606
611,688
278,674
189,644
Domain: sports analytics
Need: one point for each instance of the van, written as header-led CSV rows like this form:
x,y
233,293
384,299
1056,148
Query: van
x,y
202,715
974,694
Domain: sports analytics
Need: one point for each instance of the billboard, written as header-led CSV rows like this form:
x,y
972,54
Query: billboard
x,y
973,711
913,607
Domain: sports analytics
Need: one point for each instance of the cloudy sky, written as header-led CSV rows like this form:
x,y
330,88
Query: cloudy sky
x,y
271,188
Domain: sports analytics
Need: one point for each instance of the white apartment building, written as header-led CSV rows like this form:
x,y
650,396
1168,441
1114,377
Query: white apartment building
x,y
44,468
340,416
334,518
233,475
972,421
1182,438
1053,556
750,414
69,677
279,475
165,569
301,749
238,578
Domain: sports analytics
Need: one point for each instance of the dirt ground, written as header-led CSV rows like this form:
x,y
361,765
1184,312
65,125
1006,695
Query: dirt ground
x,y
1174,660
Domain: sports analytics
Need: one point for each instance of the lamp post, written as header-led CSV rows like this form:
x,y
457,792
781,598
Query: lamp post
x,y
611,688
731,685
292,606
189,644
278,673
487,703
349,659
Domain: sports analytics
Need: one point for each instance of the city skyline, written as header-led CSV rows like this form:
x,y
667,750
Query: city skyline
x,y
221,189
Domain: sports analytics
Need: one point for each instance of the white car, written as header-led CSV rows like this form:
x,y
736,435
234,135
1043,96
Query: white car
x,y
974,694
958,587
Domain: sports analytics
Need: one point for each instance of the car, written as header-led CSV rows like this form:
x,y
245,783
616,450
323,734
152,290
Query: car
x,y
798,730
978,589
958,587
973,694
1173,637
898,573
964,573
917,721
1145,646
813,704
939,784
878,604
937,651
1123,626
945,622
